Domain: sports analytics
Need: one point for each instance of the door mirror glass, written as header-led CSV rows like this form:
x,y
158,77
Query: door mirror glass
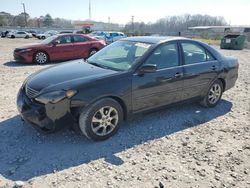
x,y
148,68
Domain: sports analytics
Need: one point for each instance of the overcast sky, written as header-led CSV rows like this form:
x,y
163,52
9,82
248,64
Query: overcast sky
x,y
236,12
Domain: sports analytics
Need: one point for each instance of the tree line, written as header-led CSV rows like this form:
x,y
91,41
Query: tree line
x,y
7,19
174,24
167,25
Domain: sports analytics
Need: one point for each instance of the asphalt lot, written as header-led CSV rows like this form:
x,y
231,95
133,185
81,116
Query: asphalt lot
x,y
182,146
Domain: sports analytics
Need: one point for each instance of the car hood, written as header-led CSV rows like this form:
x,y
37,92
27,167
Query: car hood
x,y
32,45
66,76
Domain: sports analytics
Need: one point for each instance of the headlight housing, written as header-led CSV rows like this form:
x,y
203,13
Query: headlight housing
x,y
55,96
25,50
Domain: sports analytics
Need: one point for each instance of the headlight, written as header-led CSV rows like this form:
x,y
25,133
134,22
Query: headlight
x,y
25,50
55,96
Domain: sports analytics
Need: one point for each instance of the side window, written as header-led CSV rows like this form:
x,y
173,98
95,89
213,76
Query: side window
x,y
65,39
165,56
210,57
193,53
78,38
114,34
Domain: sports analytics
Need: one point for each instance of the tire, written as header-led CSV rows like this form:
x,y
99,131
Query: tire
x,y
13,36
41,58
43,37
26,37
92,52
213,95
101,120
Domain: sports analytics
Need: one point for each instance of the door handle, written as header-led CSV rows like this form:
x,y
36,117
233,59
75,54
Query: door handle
x,y
178,75
213,67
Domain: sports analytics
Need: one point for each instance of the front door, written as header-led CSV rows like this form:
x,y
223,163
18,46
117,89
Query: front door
x,y
163,86
63,50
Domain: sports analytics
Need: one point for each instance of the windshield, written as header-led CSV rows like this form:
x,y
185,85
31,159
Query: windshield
x,y
49,39
121,55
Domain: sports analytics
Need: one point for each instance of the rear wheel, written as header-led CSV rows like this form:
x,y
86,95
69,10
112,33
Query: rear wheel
x,y
41,57
92,52
213,95
13,36
101,120
43,37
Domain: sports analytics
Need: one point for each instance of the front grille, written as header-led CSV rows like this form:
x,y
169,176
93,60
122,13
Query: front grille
x,y
31,93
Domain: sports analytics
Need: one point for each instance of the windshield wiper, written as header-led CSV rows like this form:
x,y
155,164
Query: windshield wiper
x,y
97,65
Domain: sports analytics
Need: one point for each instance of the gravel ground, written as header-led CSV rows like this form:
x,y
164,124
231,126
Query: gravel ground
x,y
182,146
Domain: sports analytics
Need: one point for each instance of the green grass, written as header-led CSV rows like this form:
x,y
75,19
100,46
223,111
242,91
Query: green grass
x,y
208,41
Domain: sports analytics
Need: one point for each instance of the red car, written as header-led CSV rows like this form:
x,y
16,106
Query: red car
x,y
59,47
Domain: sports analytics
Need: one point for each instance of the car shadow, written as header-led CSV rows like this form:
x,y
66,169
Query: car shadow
x,y
25,153
16,64
21,64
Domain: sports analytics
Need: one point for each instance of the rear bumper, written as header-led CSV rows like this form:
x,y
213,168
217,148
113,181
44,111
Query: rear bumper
x,y
46,118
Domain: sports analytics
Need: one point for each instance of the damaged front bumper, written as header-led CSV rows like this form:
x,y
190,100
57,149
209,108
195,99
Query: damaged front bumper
x,y
45,117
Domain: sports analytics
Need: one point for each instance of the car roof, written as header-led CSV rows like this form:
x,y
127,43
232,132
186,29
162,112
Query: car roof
x,y
153,39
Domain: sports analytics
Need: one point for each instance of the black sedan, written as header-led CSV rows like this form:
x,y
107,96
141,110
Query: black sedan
x,y
127,77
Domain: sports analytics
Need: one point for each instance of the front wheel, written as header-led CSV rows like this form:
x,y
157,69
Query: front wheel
x,y
41,58
101,120
213,95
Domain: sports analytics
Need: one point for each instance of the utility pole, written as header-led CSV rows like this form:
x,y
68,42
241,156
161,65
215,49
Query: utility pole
x,y
109,22
90,9
25,17
132,21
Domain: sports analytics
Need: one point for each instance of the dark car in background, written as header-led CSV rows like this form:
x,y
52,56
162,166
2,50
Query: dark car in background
x,y
59,48
129,76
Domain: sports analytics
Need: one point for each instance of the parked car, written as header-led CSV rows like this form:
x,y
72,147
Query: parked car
x,y
114,36
33,32
19,34
64,32
108,37
58,48
5,33
46,34
129,76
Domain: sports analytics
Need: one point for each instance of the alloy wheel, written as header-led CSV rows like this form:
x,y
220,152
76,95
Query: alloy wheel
x,y
41,58
104,121
92,52
214,93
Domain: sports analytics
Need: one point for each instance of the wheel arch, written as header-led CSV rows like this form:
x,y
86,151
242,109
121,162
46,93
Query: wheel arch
x,y
76,110
223,83
93,48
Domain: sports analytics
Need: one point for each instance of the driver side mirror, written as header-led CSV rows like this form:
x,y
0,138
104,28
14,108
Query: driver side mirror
x,y
56,42
148,68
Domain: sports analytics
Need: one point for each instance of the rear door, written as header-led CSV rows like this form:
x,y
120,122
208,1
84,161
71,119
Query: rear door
x,y
200,68
63,50
163,86
81,46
